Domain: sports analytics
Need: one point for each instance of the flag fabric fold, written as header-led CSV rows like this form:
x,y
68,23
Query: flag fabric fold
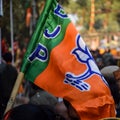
x,y
58,60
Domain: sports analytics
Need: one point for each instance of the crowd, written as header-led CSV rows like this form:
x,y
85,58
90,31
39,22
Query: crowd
x,y
33,103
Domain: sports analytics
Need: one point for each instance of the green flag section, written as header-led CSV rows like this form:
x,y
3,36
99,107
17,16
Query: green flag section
x,y
48,33
58,60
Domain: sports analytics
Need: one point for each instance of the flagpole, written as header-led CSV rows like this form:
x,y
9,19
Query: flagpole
x,y
1,8
34,12
14,91
0,47
1,14
11,24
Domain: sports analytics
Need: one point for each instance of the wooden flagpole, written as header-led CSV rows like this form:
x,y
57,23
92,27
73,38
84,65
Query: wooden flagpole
x,y
14,91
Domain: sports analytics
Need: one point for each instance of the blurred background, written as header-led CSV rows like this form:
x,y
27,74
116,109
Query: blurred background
x,y
98,22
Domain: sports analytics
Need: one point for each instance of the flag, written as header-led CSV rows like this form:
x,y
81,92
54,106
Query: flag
x,y
28,16
58,60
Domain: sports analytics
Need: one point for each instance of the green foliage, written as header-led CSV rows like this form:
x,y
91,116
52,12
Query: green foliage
x,y
63,2
118,17
82,3
18,17
98,24
105,10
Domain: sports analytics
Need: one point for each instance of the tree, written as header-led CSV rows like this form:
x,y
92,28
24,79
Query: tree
x,y
106,10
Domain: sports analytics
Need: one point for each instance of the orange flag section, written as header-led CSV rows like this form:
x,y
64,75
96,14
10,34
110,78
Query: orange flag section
x,y
90,102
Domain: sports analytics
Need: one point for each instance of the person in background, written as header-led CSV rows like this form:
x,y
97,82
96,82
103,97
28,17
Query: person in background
x,y
72,113
98,58
39,96
65,109
108,73
8,76
108,58
117,77
32,112
62,110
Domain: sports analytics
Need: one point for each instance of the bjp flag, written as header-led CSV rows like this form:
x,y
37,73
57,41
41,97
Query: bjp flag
x,y
58,60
